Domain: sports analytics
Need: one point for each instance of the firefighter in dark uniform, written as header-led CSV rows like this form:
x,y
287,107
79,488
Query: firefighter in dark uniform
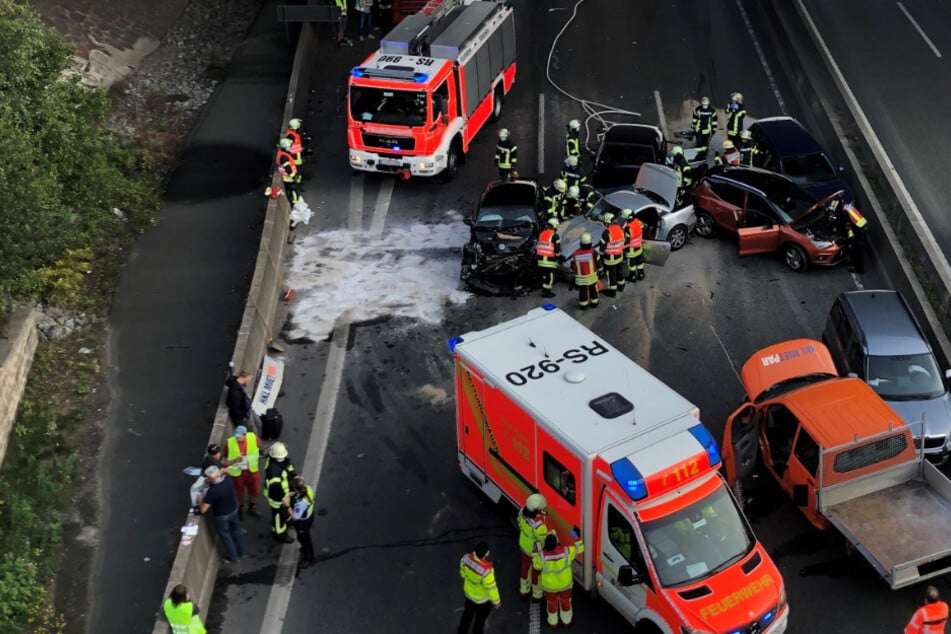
x,y
573,138
554,199
748,152
612,254
704,122
278,474
851,225
288,171
572,173
587,196
735,114
548,250
633,246
573,202
584,266
684,175
506,156
731,155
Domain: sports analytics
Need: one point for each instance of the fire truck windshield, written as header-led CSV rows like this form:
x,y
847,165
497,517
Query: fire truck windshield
x,y
698,540
394,107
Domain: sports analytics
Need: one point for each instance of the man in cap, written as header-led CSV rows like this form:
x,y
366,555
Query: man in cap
x,y
704,122
243,457
548,251
554,564
572,138
532,532
480,589
278,474
221,500
506,155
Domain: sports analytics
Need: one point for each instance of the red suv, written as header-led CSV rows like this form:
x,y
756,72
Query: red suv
x,y
769,213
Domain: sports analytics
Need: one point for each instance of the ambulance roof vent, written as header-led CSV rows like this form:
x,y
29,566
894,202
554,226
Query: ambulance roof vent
x,y
575,377
611,405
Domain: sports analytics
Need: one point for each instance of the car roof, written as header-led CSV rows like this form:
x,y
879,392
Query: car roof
x,y
886,323
787,136
501,192
764,181
632,133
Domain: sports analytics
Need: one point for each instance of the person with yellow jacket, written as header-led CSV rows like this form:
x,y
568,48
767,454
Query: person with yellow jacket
x,y
532,530
554,563
182,613
480,589
242,460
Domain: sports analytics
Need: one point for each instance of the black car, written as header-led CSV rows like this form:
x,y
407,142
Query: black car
x,y
787,147
499,258
623,149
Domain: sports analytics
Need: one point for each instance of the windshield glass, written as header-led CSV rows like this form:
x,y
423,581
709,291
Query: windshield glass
x,y
602,207
905,377
809,168
504,216
395,107
698,540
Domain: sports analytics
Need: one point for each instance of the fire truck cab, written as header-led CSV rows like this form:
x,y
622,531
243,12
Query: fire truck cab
x,y
544,405
415,104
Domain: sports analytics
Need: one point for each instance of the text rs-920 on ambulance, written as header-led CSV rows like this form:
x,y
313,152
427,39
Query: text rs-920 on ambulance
x,y
544,405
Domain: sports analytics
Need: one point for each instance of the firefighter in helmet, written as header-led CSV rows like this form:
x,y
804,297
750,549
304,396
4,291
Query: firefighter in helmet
x,y
851,226
684,175
572,138
532,533
633,246
572,172
572,202
288,171
748,151
731,155
554,199
506,155
735,114
585,267
704,122
548,250
611,249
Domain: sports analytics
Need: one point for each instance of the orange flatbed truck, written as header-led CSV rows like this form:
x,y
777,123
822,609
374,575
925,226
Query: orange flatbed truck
x,y
844,457
545,405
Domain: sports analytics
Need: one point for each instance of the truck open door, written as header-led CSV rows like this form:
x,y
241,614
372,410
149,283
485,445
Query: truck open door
x,y
620,560
740,443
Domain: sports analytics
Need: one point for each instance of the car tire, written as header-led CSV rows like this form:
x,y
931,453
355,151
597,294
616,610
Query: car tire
x,y
706,227
498,100
452,163
677,237
795,257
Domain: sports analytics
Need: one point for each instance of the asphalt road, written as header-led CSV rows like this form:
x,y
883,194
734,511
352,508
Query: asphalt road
x,y
394,512
905,96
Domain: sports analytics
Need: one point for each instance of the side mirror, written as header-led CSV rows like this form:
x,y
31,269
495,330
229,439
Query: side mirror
x,y
627,577
467,221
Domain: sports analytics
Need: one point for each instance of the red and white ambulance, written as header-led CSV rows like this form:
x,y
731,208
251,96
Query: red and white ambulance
x,y
545,405
415,105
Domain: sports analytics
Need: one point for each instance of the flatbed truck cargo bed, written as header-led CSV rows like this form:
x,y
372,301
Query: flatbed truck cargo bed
x,y
903,529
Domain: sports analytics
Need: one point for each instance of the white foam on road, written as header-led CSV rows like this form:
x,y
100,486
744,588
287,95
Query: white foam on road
x,y
411,271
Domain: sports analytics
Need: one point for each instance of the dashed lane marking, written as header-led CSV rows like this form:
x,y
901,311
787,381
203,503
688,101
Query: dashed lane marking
x,y
762,56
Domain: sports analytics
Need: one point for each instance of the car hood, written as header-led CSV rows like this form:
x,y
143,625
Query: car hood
x,y
820,191
936,413
656,252
817,211
505,240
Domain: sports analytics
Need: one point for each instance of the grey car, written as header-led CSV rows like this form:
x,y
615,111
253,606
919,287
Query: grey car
x,y
874,335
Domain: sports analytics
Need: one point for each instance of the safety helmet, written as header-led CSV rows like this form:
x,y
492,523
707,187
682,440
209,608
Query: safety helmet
x,y
574,124
728,145
536,502
295,124
608,218
737,97
561,185
504,133
285,144
278,451
705,101
677,150
574,191
627,214
553,223
571,161
586,239
746,135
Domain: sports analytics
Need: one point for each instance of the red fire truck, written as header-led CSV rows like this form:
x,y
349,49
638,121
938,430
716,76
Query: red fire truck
x,y
415,105
544,405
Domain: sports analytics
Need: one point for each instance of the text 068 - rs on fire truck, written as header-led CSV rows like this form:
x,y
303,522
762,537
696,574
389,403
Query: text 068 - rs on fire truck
x,y
543,404
439,76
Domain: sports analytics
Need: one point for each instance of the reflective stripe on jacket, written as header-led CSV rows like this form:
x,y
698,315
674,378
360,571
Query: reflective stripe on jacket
x,y
928,619
531,532
612,244
296,146
285,165
635,237
857,218
555,566
478,580
182,617
572,147
251,450
584,263
547,247
704,119
506,156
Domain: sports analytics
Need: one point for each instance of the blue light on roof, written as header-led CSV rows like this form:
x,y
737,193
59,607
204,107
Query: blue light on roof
x,y
629,478
455,341
420,78
707,442
768,617
549,307
358,72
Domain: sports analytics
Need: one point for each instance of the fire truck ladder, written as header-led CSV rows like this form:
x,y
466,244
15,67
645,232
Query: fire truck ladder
x,y
437,11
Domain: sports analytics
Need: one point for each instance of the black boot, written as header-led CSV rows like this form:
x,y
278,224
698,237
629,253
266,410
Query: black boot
x,y
547,293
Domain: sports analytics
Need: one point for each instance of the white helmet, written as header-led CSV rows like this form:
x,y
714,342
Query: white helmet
x,y
572,161
574,124
608,218
278,451
553,223
285,144
536,502
504,133
560,185
737,97
627,214
705,101
574,191
746,135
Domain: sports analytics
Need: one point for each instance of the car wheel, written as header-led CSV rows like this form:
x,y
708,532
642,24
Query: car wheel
x,y
452,163
677,237
795,258
706,227
498,99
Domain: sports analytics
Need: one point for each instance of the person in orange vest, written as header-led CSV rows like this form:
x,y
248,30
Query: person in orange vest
x,y
532,531
931,617
731,156
634,245
548,250
288,171
295,135
612,254
851,225
554,564
480,589
585,264
242,459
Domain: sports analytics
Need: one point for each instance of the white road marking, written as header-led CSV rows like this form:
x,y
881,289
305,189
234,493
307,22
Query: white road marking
x,y
857,281
727,354
355,216
382,206
534,617
541,134
660,114
762,57
921,31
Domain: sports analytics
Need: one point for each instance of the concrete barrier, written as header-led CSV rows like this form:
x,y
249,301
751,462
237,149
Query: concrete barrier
x,y
18,339
197,561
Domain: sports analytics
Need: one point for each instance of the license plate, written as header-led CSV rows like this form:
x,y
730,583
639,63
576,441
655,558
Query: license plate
x,y
391,162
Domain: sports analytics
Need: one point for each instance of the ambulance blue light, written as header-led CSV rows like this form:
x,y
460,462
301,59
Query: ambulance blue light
x,y
629,478
709,444
455,341
420,78
549,307
358,72
768,617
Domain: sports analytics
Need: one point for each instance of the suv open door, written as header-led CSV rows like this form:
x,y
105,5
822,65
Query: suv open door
x,y
741,444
